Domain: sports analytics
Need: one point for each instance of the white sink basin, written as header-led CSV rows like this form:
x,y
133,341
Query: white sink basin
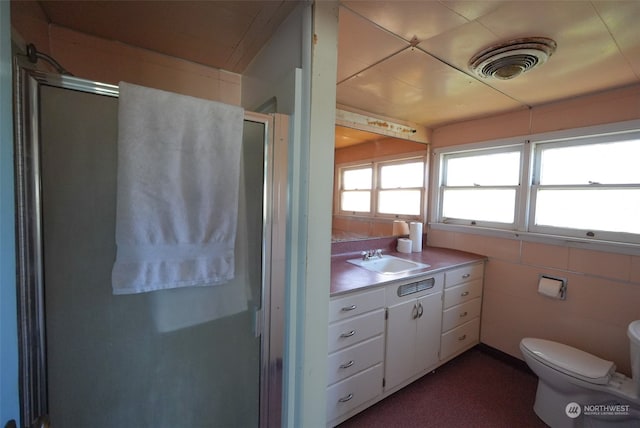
x,y
388,264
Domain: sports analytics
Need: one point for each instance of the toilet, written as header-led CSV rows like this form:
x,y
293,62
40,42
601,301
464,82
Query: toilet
x,y
578,389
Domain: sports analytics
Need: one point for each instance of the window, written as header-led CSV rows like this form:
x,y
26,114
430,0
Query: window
x,y
589,187
576,184
390,188
481,187
356,189
401,188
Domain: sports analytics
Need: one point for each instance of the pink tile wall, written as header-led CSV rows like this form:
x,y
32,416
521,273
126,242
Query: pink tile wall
x,y
603,287
107,61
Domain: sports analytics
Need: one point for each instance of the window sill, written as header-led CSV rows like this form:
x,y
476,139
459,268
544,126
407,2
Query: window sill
x,y
571,242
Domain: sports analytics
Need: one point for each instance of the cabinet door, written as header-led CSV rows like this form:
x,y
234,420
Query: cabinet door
x,y
401,343
429,322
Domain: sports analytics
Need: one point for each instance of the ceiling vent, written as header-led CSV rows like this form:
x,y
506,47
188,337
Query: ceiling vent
x,y
508,60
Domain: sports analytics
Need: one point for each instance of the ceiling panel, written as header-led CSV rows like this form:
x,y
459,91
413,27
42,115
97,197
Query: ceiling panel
x,y
362,44
621,19
473,9
221,34
416,87
408,19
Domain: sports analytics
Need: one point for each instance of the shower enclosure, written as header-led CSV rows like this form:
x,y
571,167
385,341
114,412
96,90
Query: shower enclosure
x,y
172,358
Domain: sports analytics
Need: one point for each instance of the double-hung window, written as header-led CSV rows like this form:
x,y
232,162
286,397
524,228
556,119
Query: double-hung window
x,y
481,187
400,188
588,187
393,188
356,186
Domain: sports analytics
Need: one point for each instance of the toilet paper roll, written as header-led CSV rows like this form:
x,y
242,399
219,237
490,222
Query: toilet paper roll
x,y
550,287
415,234
404,245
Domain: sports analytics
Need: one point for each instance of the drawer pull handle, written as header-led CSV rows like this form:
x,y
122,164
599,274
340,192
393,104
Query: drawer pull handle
x,y
466,293
349,308
464,314
466,275
345,398
351,333
346,365
463,337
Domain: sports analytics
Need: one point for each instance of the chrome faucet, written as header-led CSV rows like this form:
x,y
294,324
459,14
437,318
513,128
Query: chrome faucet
x,y
366,255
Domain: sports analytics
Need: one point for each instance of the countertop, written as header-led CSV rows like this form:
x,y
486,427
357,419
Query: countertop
x,y
346,277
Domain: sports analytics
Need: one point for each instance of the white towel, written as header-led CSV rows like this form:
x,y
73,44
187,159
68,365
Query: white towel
x,y
177,197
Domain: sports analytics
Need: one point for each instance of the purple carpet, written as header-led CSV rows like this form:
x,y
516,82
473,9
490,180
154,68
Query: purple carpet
x,y
475,390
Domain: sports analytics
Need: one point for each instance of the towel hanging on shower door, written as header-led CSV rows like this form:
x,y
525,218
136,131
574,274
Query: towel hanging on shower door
x,y
177,191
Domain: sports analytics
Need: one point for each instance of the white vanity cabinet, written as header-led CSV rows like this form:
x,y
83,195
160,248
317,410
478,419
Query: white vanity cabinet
x,y
414,313
356,352
384,336
462,304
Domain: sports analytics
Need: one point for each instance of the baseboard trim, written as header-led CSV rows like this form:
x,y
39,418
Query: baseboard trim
x,y
504,357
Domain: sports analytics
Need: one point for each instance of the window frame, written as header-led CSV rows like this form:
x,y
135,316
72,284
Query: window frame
x,y
376,165
341,190
445,156
593,234
525,228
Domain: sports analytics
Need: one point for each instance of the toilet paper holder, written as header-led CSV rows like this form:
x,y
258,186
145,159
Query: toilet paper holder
x,y
552,286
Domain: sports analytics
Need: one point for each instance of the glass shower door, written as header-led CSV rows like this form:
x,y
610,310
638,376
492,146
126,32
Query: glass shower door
x,y
174,358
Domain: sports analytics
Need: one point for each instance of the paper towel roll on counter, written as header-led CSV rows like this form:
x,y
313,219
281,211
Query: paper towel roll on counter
x,y
404,245
415,234
552,287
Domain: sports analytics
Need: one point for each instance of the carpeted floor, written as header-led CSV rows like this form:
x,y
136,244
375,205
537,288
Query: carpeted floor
x,y
475,390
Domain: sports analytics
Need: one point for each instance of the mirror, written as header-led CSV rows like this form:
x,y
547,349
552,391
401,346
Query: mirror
x,y
353,146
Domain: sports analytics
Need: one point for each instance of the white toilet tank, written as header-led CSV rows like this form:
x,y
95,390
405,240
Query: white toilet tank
x,y
634,344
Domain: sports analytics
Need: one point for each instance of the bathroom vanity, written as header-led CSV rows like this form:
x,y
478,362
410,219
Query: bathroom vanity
x,y
388,330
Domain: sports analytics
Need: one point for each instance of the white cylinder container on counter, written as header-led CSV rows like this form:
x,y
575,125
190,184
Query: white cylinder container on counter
x,y
404,245
415,234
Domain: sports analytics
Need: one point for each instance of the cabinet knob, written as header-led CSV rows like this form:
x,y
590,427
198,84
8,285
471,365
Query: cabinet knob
x,y
466,293
466,275
349,334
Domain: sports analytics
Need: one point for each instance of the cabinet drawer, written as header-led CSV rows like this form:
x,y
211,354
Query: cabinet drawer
x,y
354,359
356,329
460,338
462,293
355,304
463,274
354,391
460,314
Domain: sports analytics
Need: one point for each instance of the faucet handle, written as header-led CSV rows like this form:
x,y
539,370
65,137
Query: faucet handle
x,y
379,252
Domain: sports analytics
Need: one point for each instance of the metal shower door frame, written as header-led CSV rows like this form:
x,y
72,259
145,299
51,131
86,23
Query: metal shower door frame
x,y
29,242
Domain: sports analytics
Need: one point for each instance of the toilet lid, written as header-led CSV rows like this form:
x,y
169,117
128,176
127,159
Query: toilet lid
x,y
571,361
